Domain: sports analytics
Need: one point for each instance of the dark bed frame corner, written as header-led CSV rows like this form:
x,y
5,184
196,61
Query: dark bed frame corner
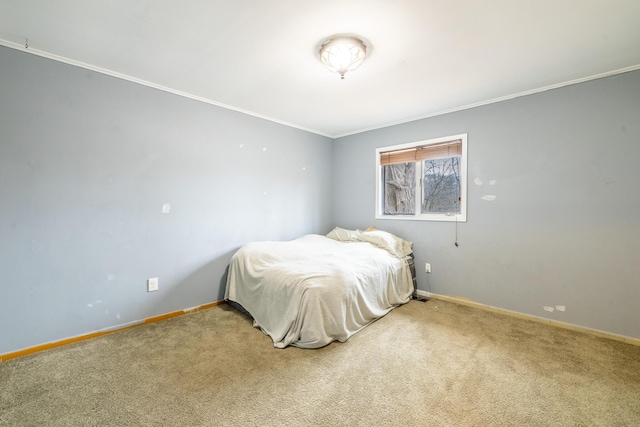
x,y
412,268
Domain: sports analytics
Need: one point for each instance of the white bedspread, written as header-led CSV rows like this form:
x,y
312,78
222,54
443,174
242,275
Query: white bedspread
x,y
314,290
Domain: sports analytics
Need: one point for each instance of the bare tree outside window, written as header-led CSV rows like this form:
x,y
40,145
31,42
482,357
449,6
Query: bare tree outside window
x,y
399,188
441,185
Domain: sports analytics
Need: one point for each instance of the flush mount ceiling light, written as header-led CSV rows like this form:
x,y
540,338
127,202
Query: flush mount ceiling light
x,y
343,53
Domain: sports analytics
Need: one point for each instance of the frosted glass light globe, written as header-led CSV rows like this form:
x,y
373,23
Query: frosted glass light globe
x,y
342,54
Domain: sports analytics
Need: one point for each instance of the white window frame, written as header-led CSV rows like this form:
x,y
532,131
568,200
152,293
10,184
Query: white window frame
x,y
418,216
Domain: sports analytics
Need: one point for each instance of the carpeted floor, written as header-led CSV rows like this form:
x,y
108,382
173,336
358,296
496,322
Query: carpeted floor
x,y
433,364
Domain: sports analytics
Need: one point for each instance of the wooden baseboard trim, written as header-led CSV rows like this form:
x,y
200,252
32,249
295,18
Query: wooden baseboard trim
x,y
54,344
471,303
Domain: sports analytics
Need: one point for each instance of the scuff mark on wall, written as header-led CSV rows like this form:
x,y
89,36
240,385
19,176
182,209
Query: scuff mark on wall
x,y
149,160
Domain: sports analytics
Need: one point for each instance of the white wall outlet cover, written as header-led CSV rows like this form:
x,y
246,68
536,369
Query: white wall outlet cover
x,y
166,208
548,308
152,284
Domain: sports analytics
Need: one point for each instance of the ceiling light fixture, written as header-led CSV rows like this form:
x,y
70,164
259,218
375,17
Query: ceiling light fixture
x,y
343,53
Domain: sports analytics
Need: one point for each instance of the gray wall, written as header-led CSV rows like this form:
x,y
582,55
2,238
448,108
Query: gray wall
x,y
87,162
564,227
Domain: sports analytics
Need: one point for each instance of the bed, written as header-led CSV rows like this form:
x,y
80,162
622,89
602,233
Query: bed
x,y
316,289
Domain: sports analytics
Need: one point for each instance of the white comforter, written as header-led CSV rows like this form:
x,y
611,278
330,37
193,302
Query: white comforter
x,y
313,290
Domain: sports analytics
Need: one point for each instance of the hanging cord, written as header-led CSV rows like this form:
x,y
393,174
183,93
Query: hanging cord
x,y
456,240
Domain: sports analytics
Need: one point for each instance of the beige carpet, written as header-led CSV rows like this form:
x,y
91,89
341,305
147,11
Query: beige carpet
x,y
433,364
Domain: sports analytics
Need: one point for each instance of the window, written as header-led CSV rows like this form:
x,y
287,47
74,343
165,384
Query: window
x,y
424,180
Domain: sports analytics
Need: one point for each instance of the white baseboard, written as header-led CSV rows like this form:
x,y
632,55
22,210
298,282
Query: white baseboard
x,y
471,303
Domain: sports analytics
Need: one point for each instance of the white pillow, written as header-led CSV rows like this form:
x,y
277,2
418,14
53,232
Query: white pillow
x,y
344,235
387,241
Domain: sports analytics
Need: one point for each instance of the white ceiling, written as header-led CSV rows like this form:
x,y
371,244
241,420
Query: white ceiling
x,y
426,57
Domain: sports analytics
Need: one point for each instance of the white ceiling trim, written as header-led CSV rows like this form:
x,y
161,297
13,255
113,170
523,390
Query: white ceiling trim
x,y
25,48
494,100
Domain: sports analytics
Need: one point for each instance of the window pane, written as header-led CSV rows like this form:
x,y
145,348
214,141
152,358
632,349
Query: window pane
x,y
399,188
441,186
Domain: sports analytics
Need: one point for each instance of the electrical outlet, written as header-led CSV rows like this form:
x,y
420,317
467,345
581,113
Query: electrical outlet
x,y
427,268
152,284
